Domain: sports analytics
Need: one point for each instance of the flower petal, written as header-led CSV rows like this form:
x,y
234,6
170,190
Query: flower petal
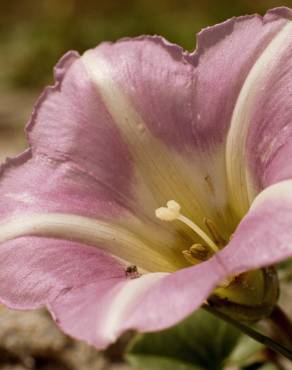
x,y
91,298
35,270
264,237
123,107
172,130
81,163
46,177
88,292
70,126
269,141
147,86
113,238
258,113
144,135
141,304
78,165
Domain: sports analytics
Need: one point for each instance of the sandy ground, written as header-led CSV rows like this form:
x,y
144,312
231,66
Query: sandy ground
x,y
31,341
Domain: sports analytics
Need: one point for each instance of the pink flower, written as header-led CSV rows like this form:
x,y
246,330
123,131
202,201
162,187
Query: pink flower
x,y
128,127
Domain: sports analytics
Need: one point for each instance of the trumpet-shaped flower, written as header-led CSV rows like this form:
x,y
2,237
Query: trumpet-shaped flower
x,y
153,177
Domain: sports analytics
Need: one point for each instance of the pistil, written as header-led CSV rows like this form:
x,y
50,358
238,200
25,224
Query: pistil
x,y
172,212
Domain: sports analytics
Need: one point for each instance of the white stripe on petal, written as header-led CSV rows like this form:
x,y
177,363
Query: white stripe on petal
x,y
110,237
241,187
161,172
122,301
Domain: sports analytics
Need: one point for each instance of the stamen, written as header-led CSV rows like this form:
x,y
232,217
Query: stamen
x,y
218,239
190,258
169,213
172,212
199,251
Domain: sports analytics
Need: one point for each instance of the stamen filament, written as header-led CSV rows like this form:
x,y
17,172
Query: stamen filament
x,y
172,212
199,232
218,239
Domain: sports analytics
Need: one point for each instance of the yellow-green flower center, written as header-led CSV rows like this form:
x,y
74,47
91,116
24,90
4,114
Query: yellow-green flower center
x,y
198,252
248,296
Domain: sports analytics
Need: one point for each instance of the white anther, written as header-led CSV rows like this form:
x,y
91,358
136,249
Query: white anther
x,y
173,205
165,214
169,213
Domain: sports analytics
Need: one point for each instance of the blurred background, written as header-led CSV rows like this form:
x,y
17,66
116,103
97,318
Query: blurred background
x,y
33,36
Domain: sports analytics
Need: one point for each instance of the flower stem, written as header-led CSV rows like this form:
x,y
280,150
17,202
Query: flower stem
x,y
259,337
283,324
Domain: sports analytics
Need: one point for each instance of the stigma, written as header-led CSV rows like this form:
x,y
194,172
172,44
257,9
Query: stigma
x,y
197,252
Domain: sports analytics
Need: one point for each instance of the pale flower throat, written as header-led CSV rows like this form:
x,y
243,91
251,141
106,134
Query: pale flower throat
x,y
197,252
249,296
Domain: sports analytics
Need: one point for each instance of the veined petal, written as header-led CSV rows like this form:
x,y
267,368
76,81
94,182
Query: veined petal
x,y
46,177
147,86
111,237
269,141
262,109
82,160
141,304
224,56
78,164
232,61
142,138
264,236
171,130
89,293
35,270
91,299
127,127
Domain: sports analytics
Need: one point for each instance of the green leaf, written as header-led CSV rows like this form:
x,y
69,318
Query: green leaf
x,y
255,334
202,341
151,362
245,349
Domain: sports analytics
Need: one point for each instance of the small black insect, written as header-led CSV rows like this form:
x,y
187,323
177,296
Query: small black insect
x,y
132,272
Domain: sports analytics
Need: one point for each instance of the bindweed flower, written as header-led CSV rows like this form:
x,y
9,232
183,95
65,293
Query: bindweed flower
x,y
155,179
